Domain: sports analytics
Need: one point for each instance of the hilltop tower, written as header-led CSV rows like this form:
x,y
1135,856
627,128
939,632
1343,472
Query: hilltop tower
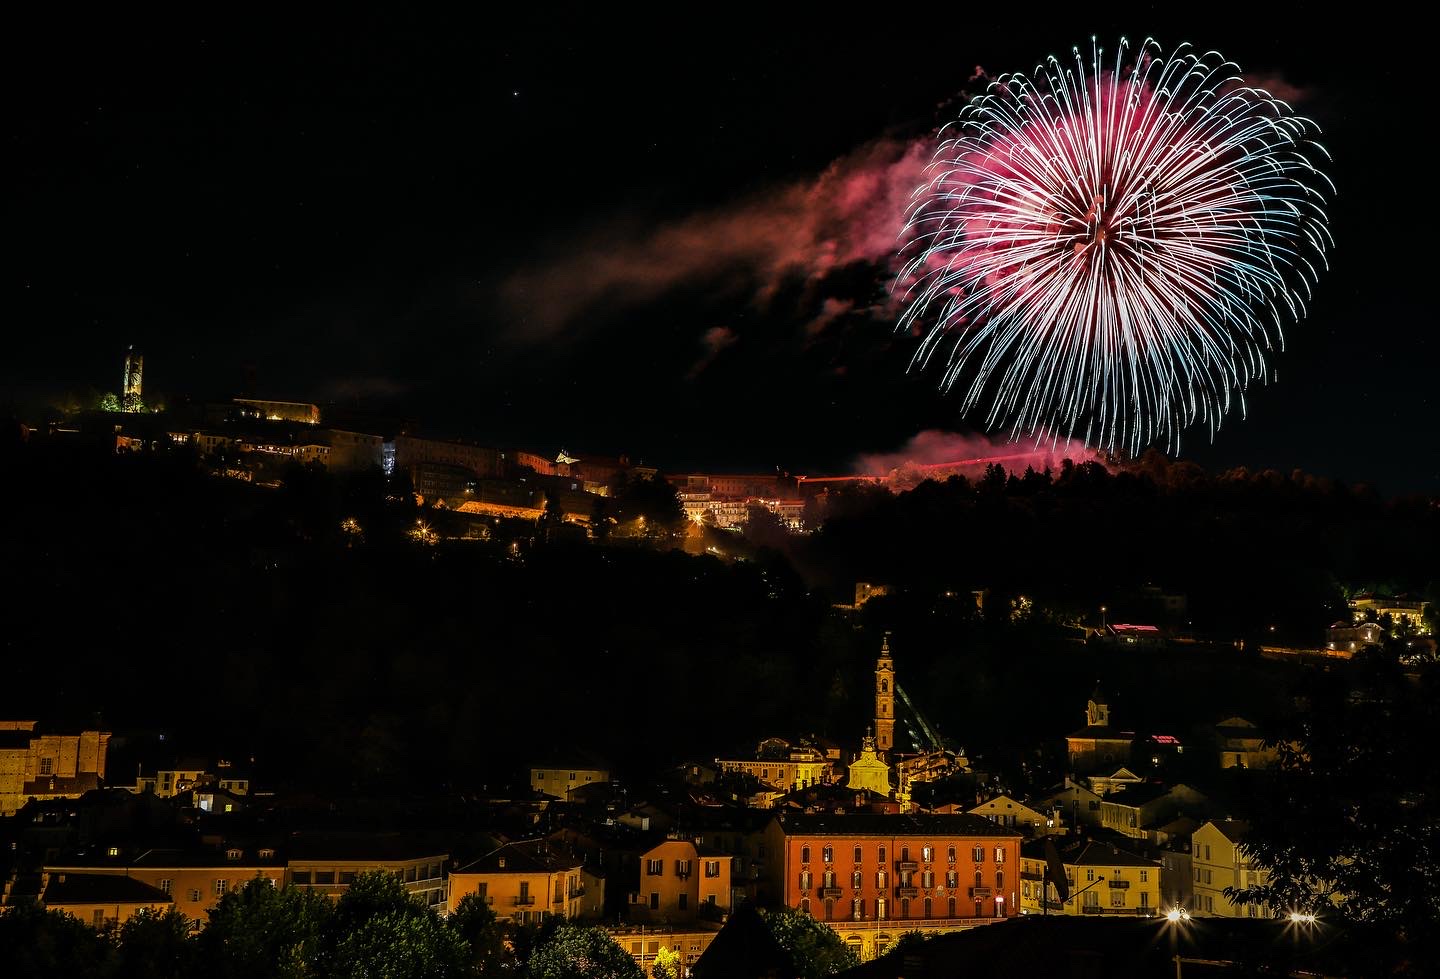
x,y
130,389
885,698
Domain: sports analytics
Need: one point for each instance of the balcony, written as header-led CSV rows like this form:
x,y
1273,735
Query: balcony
x,y
979,893
524,900
907,892
907,865
1118,885
834,892
1028,875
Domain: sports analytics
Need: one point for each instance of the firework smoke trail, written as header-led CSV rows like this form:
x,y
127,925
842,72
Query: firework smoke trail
x,y
1109,251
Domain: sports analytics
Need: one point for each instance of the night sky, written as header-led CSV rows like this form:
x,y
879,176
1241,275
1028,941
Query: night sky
x,y
611,233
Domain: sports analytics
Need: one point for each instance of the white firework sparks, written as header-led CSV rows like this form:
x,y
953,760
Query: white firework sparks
x,y
1111,254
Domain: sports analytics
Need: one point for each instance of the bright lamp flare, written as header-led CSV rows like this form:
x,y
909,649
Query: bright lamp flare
x,y
1109,251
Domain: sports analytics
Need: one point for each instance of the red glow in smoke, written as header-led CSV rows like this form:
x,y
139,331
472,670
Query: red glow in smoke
x,y
933,454
852,212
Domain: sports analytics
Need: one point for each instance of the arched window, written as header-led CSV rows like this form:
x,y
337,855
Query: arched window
x,y
829,878
805,880
859,855
999,854
830,909
929,912
805,905
904,854
979,879
951,910
951,854
828,854
804,854
999,880
881,881
857,909
856,880
904,907
880,908
884,686
978,854
882,856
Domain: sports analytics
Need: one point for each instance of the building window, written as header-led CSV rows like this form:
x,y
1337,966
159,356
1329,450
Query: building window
x,y
682,868
881,880
829,909
904,854
829,879
654,868
805,905
654,900
929,909
927,879
300,877
880,908
978,854
857,909
1000,880
999,854
979,879
165,885
805,880
1144,876
952,878
882,854
828,854
684,902
347,876
1145,901
859,855
221,886
857,880
47,767
950,911
712,868
98,919
950,854
324,876
804,854
1117,898
1089,875
194,894
904,907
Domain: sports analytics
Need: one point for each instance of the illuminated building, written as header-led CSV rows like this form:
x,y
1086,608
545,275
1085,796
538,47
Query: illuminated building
x,y
1405,610
354,451
529,882
330,864
35,765
1006,811
187,774
131,386
1147,811
1242,745
874,877
1097,745
644,942
680,881
1104,881
1217,863
280,411
481,461
560,780
1126,634
868,771
885,698
783,766
194,879
100,900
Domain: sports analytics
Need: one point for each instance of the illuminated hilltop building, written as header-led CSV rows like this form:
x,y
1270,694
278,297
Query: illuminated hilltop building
x,y
130,386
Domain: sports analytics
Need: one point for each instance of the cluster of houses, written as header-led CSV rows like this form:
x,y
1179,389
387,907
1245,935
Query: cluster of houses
x,y
846,837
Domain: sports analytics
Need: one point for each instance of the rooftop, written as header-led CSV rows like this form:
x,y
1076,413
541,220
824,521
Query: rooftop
x,y
905,824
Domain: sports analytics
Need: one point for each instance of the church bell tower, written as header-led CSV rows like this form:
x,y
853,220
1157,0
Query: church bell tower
x,y
885,698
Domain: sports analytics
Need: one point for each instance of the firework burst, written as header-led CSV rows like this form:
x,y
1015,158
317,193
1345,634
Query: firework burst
x,y
1110,250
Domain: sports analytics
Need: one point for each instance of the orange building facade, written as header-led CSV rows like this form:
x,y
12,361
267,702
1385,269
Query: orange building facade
x,y
874,877
679,882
